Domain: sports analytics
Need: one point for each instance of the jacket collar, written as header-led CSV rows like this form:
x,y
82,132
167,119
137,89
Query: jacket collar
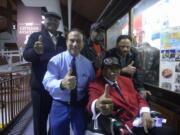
x,y
128,55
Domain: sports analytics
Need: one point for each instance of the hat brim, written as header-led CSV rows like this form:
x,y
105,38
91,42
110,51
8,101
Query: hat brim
x,y
52,15
113,65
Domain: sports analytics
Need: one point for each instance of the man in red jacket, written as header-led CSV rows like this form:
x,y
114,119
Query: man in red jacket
x,y
115,96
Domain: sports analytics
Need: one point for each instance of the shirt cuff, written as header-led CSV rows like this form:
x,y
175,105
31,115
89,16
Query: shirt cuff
x,y
93,110
58,84
95,115
144,109
141,89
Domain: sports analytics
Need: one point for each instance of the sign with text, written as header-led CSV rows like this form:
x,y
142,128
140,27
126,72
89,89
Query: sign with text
x,y
28,21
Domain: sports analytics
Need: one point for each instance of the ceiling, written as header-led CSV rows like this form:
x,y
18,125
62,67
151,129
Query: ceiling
x,y
106,12
84,12
90,9
8,13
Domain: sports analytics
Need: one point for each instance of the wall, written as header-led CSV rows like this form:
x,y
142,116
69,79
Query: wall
x,y
51,5
6,37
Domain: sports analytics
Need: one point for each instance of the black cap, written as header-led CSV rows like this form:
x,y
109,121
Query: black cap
x,y
110,61
52,14
96,27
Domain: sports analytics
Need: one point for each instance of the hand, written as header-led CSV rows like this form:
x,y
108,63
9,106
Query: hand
x,y
130,69
144,93
147,121
105,104
69,81
38,46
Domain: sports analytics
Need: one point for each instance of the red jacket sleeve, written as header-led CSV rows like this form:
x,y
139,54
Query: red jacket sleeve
x,y
95,90
127,82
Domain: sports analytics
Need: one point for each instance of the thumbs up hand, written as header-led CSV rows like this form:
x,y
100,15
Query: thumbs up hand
x,y
130,69
104,104
131,64
69,81
38,46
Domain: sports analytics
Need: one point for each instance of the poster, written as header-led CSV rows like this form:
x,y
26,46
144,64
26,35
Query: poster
x,y
28,21
170,59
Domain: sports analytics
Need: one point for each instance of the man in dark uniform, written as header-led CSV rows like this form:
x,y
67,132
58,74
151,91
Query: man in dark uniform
x,y
40,48
128,61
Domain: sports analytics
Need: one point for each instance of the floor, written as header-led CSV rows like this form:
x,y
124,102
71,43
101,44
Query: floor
x,y
29,129
25,120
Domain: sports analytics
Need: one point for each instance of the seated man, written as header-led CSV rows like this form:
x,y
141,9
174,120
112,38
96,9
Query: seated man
x,y
115,96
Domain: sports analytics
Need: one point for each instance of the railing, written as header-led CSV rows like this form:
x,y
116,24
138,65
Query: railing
x,y
14,94
12,56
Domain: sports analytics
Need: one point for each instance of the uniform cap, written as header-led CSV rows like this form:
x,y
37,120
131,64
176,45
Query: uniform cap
x,y
110,61
52,14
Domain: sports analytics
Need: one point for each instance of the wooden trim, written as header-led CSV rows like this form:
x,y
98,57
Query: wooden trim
x,y
6,11
165,98
130,31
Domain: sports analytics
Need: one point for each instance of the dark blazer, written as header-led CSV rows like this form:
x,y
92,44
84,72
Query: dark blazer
x,y
132,56
89,51
39,62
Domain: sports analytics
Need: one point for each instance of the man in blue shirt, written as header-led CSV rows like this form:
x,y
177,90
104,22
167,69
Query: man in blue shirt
x,y
66,79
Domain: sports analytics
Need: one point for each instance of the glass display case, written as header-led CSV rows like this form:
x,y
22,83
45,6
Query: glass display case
x,y
156,35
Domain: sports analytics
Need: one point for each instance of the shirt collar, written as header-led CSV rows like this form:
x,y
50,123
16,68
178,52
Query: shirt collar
x,y
109,81
128,55
70,56
51,35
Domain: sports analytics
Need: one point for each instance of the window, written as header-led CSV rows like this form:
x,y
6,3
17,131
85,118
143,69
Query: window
x,y
120,27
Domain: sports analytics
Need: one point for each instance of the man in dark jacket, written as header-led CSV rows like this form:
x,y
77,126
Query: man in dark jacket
x,y
40,48
128,61
94,47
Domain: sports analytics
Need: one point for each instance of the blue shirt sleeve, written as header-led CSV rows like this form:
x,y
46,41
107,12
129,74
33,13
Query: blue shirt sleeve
x,y
51,79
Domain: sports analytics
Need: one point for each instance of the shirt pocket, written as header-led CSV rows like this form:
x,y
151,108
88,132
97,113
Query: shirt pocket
x,y
83,80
